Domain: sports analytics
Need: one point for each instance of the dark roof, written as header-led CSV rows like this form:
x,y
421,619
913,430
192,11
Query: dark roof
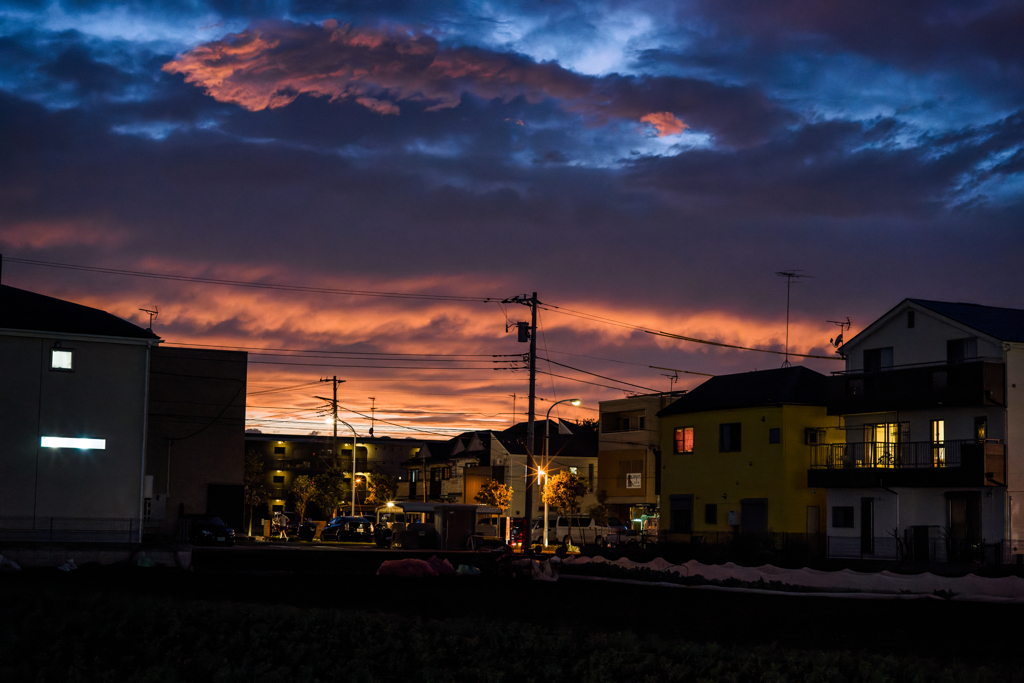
x,y
1006,324
793,385
23,310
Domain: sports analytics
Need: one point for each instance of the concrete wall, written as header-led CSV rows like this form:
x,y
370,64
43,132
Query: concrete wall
x,y
1014,354
104,397
196,428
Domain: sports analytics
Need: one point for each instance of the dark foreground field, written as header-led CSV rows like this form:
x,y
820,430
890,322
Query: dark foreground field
x,y
164,625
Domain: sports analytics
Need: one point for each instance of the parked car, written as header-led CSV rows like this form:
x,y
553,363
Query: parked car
x,y
348,529
211,531
584,530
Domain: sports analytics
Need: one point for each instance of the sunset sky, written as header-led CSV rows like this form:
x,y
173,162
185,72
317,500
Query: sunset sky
x,y
650,163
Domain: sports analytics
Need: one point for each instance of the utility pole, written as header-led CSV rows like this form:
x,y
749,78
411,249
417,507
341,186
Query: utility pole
x,y
334,420
531,461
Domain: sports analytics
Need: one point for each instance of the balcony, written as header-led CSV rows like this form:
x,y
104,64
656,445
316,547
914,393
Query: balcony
x,y
967,384
913,464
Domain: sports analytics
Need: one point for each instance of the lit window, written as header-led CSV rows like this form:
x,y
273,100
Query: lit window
x,y
64,442
684,440
62,359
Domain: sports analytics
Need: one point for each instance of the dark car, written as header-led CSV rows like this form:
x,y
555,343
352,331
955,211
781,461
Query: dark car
x,y
348,529
211,531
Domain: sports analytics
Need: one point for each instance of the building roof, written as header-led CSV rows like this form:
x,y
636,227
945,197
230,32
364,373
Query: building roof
x,y
1006,324
792,385
24,310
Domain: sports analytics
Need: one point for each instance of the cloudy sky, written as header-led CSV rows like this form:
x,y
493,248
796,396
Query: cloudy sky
x,y
651,163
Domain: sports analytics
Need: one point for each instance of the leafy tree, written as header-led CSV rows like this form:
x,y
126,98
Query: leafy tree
x,y
563,492
494,494
303,488
588,422
331,490
380,488
254,477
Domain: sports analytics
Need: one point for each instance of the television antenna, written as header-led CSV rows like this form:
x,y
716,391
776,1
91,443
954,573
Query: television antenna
x,y
790,275
153,315
672,379
844,325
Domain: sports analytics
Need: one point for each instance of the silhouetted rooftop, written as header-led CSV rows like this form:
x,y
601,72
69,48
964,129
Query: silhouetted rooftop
x,y
1006,324
24,310
793,385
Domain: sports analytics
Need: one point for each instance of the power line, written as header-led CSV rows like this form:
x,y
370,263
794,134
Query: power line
x,y
360,353
670,335
244,283
594,374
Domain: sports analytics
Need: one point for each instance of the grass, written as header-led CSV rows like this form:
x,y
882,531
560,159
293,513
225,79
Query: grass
x,y
69,631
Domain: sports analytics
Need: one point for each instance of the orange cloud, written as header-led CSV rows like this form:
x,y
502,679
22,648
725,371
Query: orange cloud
x,y
44,234
270,65
665,122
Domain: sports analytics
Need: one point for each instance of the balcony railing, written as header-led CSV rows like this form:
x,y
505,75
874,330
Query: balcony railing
x,y
972,383
912,454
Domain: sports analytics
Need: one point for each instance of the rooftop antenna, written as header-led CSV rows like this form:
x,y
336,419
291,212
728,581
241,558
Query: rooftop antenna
x,y
844,325
373,407
672,379
153,315
790,275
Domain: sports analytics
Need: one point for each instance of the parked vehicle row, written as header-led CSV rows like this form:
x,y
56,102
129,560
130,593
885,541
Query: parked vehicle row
x,y
581,529
357,529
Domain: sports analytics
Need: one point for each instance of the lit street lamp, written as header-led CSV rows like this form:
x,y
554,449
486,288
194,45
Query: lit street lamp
x,y
544,473
353,460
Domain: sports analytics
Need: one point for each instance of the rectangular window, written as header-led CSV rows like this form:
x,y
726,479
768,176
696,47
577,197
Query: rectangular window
x,y
842,517
643,422
729,437
878,359
910,318
278,478
71,442
681,513
811,436
711,513
958,350
278,450
684,440
775,435
981,428
938,443
62,359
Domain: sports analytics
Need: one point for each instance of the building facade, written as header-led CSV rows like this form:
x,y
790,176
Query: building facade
x,y
928,466
735,455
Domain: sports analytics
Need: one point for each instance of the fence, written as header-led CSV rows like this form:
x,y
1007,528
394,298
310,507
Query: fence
x,y
911,454
70,529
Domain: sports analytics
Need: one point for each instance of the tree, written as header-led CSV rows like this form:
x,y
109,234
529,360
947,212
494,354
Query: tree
x,y
563,492
599,512
380,488
254,477
331,490
591,423
494,494
303,488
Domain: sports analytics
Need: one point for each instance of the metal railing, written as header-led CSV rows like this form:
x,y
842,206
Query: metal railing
x,y
70,529
912,454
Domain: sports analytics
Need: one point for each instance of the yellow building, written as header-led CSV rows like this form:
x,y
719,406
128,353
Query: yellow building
x,y
735,454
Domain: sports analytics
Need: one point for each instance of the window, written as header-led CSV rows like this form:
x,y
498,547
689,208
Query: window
x,y
62,359
681,513
981,428
684,440
910,318
940,379
711,513
278,450
958,350
278,478
642,422
938,443
842,517
775,435
729,437
878,359
812,436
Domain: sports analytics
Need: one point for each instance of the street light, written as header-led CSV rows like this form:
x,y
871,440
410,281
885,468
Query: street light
x,y
547,432
353,462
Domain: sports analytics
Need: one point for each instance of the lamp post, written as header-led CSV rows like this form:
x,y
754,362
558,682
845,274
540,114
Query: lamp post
x,y
544,473
353,460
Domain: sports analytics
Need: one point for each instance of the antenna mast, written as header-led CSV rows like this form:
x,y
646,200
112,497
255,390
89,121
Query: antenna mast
x,y
153,315
373,405
790,275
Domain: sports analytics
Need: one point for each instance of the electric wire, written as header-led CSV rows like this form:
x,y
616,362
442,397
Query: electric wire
x,y
250,284
594,374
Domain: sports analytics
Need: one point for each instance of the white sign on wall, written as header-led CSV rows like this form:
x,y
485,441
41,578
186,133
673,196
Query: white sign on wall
x,y
633,480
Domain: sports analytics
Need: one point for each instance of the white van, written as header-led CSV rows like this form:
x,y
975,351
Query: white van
x,y
584,530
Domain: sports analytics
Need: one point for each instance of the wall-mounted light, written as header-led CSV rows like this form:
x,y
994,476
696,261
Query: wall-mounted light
x,y
81,444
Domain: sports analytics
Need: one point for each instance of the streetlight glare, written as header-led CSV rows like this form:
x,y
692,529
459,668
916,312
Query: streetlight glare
x,y
575,401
